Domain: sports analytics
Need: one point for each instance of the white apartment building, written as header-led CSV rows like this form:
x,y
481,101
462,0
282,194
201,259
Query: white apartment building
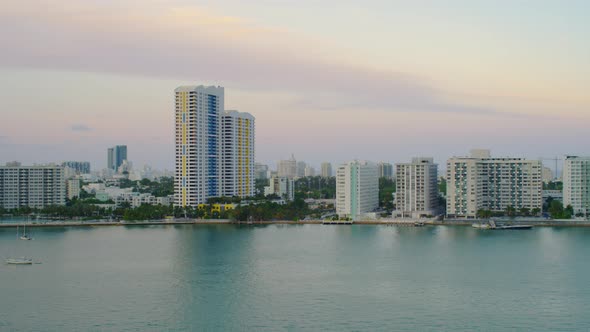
x,y
483,183
198,111
282,187
287,168
73,188
32,186
309,171
301,165
326,169
237,146
357,189
214,148
576,184
416,189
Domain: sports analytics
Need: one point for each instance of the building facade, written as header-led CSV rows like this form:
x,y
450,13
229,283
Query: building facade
x,y
282,187
326,169
214,148
309,171
32,186
287,168
261,171
357,189
72,188
483,183
198,111
237,149
301,165
79,167
385,170
116,156
417,189
576,184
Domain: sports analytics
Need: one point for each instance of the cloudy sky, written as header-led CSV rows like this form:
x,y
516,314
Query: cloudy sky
x,y
326,80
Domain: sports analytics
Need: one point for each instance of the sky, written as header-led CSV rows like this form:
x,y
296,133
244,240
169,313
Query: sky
x,y
326,80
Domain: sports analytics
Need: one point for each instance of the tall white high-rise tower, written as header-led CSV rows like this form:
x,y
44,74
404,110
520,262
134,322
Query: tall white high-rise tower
x,y
237,139
198,111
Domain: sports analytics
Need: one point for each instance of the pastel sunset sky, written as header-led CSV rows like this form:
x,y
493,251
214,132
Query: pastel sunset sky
x,y
326,80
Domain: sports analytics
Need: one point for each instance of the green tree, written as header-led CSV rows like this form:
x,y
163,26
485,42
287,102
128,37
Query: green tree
x,y
259,185
525,212
553,185
555,209
386,189
484,214
510,211
442,185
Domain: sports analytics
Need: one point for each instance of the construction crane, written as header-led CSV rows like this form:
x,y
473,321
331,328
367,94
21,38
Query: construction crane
x,y
556,160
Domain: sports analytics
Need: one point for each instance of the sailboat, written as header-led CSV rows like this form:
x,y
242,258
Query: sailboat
x,y
19,261
25,236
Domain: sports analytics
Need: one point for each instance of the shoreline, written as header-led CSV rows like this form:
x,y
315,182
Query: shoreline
x,y
409,223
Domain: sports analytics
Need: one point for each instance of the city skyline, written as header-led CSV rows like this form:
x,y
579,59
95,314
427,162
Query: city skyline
x,y
405,80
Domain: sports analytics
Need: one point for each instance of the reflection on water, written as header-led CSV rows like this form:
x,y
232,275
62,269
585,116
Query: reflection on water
x,y
291,277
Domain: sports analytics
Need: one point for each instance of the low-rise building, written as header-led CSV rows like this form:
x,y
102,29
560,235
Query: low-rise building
x,y
281,186
73,188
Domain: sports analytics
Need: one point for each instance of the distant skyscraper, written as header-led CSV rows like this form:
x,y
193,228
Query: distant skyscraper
x,y
198,111
385,170
548,175
301,169
326,169
309,171
417,188
480,182
287,168
32,186
357,189
80,167
115,157
576,184
237,139
261,171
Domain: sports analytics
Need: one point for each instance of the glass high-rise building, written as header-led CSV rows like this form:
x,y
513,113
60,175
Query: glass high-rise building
x,y
115,156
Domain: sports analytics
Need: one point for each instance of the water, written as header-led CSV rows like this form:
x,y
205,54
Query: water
x,y
288,278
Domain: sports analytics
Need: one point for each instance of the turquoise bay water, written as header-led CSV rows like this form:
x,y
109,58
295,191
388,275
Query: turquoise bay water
x,y
296,277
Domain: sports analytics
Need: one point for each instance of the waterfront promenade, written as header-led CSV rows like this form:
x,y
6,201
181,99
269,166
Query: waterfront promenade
x,y
391,222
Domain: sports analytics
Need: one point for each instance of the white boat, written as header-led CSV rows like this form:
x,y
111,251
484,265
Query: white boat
x,y
491,224
25,236
19,261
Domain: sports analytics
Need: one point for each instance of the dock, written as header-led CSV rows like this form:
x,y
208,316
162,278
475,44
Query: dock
x,y
337,222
